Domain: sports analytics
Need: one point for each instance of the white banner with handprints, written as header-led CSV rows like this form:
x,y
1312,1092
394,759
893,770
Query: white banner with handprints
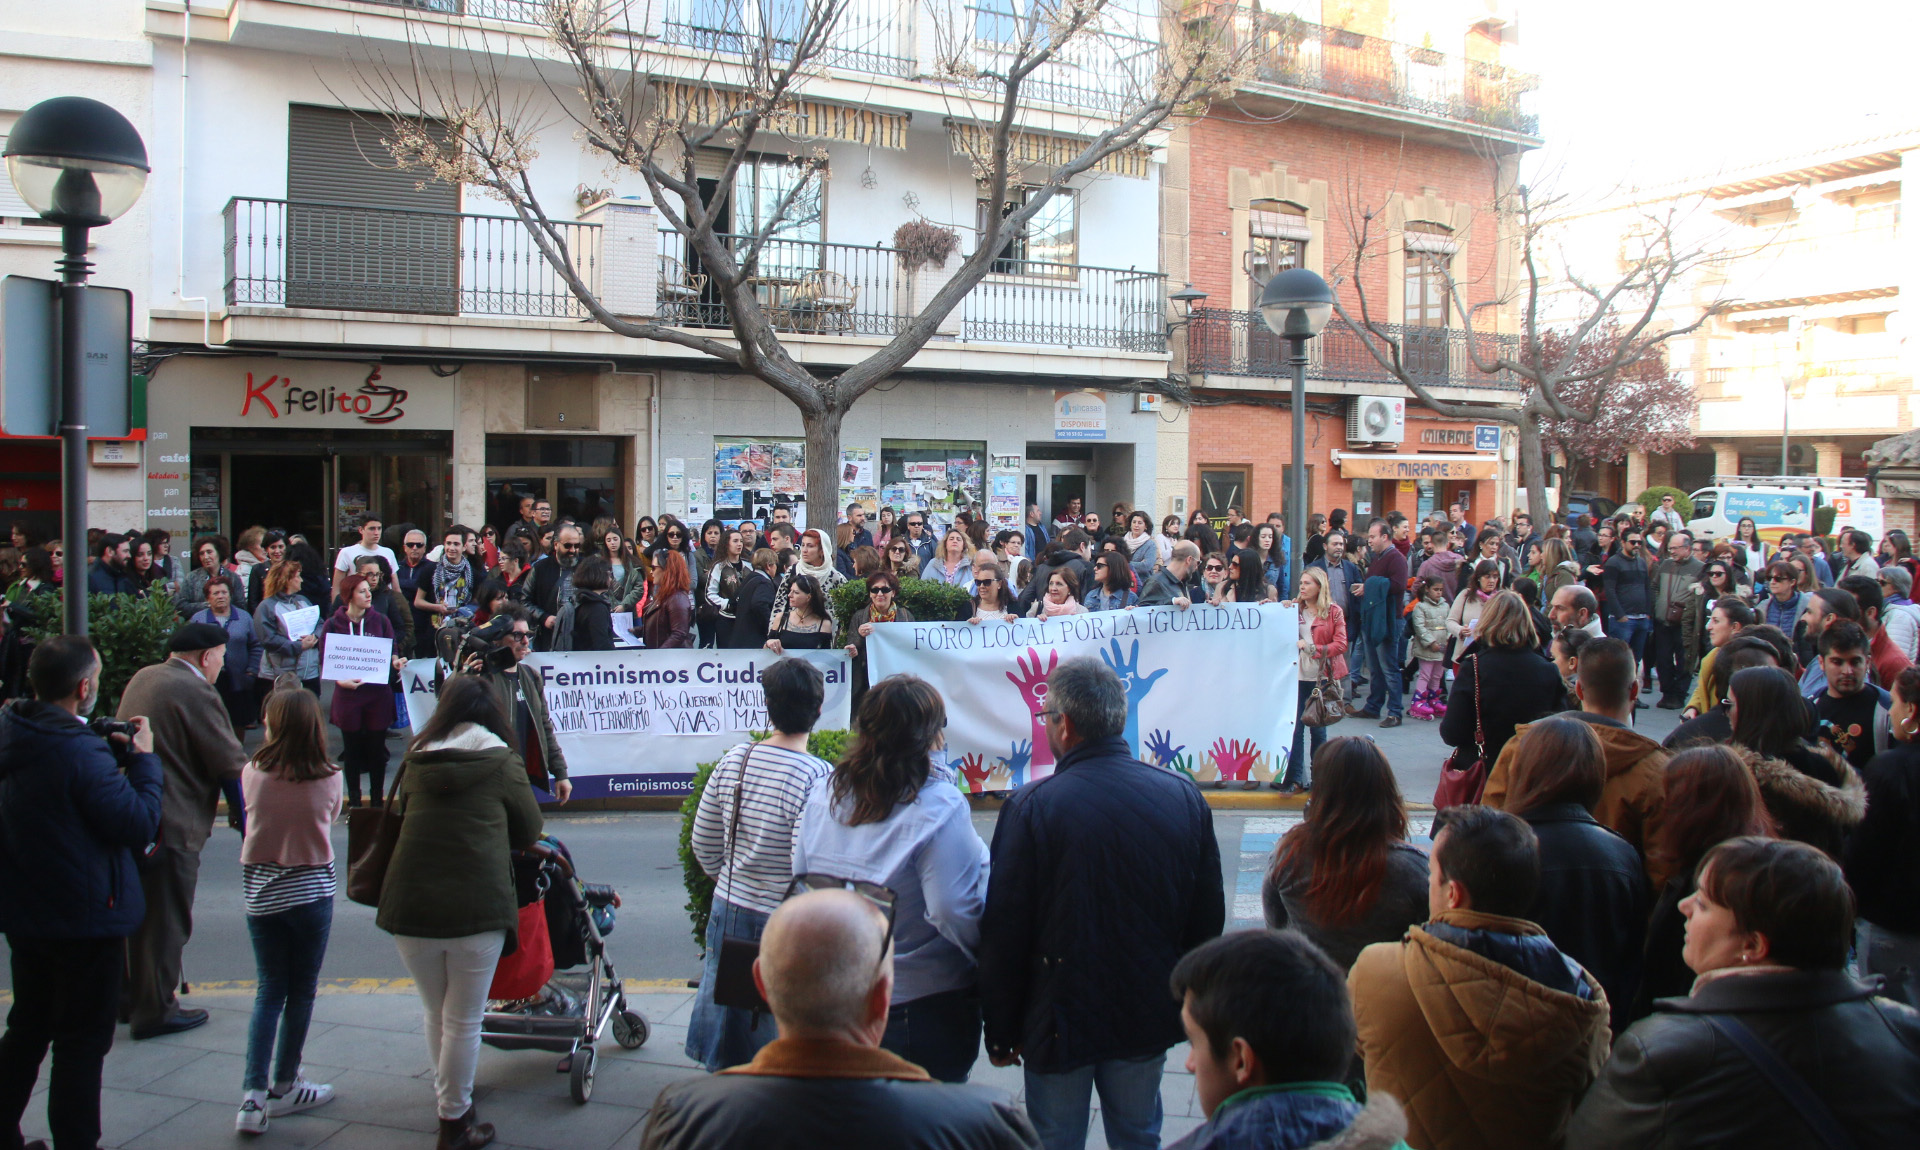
x,y
1210,690
639,722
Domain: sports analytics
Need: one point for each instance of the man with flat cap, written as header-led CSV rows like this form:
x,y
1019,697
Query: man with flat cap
x,y
199,758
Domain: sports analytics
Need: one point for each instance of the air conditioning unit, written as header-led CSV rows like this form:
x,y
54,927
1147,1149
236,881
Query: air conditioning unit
x,y
1377,419
1797,455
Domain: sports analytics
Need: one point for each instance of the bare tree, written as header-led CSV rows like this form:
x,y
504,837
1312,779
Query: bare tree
x,y
625,107
1579,338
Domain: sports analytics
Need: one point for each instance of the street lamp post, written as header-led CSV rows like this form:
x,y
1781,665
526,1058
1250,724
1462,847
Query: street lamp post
x,y
1296,304
80,164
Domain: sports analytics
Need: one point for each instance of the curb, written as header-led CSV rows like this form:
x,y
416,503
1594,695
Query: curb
x,y
246,987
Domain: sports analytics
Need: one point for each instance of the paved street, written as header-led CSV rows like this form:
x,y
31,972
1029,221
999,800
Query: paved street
x,y
181,1091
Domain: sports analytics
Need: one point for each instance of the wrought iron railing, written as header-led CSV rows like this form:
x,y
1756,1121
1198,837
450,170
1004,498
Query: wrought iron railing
x,y
827,288
1241,343
1068,305
307,255
1102,68
509,11
872,36
374,259
1292,53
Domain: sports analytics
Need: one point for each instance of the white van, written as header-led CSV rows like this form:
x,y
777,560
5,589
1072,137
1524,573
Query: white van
x,y
1778,504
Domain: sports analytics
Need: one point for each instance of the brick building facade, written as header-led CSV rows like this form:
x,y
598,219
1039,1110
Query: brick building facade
x,y
1343,132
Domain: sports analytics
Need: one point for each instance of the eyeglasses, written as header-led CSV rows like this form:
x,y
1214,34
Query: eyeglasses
x,y
415,546
518,637
1215,567
882,590
985,580
569,547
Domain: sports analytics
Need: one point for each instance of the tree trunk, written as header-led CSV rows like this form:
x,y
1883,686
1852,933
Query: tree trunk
x,y
1533,465
822,427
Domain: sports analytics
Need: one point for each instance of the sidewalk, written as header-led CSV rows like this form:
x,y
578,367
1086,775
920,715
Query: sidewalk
x,y
181,1091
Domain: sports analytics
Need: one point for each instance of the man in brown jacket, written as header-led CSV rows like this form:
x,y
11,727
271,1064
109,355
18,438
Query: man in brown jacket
x,y
198,754
1483,1030
1635,791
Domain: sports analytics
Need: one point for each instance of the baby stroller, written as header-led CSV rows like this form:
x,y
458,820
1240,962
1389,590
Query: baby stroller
x,y
583,993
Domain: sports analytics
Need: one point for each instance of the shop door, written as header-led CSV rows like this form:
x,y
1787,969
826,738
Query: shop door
x,y
283,492
1054,484
580,475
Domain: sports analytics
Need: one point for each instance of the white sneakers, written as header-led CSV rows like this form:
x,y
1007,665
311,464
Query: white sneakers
x,y
252,1118
258,1105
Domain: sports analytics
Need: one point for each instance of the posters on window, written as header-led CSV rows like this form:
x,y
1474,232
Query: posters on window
x,y
751,477
1003,493
858,481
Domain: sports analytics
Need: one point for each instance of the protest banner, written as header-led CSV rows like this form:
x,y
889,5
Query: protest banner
x,y
368,658
1210,690
637,723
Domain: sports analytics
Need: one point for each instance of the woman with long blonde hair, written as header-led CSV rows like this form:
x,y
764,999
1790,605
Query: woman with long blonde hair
x,y
1323,655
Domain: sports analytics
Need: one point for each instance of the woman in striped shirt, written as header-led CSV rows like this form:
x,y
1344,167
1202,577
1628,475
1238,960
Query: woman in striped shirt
x,y
292,793
743,837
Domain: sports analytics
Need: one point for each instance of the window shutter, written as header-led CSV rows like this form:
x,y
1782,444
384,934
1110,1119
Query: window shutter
x,y
360,234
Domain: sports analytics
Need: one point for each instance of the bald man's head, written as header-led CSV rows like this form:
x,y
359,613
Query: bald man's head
x,y
821,962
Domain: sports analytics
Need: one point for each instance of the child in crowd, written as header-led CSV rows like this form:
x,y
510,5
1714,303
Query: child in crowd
x,y
1429,617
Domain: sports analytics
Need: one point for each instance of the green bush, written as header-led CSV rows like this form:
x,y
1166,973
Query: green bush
x,y
826,745
1650,499
1823,520
129,633
929,600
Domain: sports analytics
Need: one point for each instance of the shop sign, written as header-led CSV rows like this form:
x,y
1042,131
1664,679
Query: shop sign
x,y
273,395
1415,467
1459,438
1079,415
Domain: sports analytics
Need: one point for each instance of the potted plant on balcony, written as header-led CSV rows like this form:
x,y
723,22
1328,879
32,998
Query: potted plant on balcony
x,y
923,249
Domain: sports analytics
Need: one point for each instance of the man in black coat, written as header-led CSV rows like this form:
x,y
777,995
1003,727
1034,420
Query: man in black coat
x,y
825,1081
753,604
550,591
1104,875
72,811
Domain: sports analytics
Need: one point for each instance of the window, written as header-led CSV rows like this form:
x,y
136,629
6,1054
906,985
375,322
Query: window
x,y
1276,242
1005,21
1046,246
1221,488
766,187
1426,289
935,476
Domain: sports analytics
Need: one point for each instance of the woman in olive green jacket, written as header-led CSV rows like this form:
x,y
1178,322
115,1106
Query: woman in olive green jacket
x,y
449,898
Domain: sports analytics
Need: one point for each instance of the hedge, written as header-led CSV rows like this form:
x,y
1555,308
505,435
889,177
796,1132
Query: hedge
x,y
828,745
1682,502
929,600
128,632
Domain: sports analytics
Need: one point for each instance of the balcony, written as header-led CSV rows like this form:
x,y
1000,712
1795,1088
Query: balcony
x,y
874,37
1240,343
1291,53
336,257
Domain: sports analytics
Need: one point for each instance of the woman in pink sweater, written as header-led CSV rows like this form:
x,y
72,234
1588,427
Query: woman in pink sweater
x,y
292,793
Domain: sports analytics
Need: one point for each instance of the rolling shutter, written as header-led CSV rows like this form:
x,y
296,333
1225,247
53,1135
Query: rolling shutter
x,y
360,234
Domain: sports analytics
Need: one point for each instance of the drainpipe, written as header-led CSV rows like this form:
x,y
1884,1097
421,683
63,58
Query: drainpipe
x,y
180,253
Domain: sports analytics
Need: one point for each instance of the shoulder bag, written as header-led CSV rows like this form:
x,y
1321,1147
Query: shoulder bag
x,y
1325,705
733,981
372,834
1462,780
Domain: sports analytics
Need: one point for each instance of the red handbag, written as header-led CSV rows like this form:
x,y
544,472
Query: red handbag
x,y
1461,783
522,973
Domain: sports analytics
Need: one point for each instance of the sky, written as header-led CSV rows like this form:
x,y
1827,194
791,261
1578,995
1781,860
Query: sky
x,y
1638,92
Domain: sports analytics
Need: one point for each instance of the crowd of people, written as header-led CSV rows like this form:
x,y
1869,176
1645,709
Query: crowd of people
x,y
1711,939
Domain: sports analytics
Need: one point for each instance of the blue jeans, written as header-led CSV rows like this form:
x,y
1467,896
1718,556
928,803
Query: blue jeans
x,y
1306,740
1634,632
1383,671
1129,1103
940,1032
288,948
722,1036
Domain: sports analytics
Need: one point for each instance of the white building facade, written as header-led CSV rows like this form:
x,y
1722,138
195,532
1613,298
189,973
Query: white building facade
x,y
327,336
